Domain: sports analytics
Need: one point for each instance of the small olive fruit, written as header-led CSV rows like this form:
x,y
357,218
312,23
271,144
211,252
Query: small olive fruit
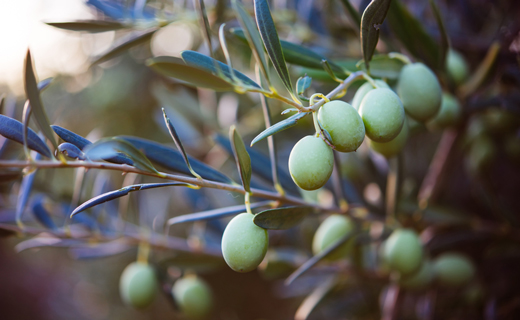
x,y
420,279
393,147
383,114
138,285
193,296
456,66
419,91
449,113
453,269
403,251
311,162
244,244
331,230
364,89
344,125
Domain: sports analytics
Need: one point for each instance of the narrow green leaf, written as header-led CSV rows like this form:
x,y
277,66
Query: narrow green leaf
x,y
203,62
445,39
33,94
177,68
412,35
303,84
280,126
178,143
13,129
241,157
265,24
110,147
206,31
326,66
371,21
383,66
281,218
92,26
354,14
250,31
482,72
130,41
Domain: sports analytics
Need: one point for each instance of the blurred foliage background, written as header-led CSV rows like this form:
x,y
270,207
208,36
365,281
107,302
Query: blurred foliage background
x,y
122,96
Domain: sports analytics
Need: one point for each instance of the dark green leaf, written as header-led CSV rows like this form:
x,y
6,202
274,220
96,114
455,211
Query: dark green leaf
x,y
172,159
371,21
110,147
303,84
119,193
206,31
326,66
241,157
42,215
354,14
215,213
252,35
88,25
280,126
177,68
412,35
281,218
33,94
265,24
130,41
203,62
24,193
383,66
445,39
13,129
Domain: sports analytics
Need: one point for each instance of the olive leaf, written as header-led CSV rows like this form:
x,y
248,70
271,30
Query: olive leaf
x,y
33,95
282,218
303,84
383,66
445,39
241,157
92,26
121,192
206,30
110,147
267,29
371,21
280,126
13,129
251,34
134,39
354,14
42,215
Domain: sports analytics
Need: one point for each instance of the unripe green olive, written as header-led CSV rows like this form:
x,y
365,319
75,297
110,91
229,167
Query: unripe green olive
x,y
419,91
332,229
311,162
453,269
393,147
244,244
420,279
383,114
456,66
364,89
344,125
403,251
138,285
193,296
449,113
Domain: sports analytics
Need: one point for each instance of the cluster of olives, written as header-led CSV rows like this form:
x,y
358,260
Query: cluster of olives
x,y
138,288
377,112
403,254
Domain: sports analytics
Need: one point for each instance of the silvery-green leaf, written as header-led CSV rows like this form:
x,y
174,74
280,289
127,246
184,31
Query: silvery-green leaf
x,y
124,44
242,157
281,218
371,21
280,126
13,129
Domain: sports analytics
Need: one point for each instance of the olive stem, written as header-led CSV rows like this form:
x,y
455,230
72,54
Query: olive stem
x,y
391,190
247,202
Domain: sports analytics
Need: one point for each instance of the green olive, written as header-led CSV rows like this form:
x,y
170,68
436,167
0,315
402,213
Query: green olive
x,y
403,251
364,89
448,115
244,244
193,296
311,162
419,279
344,125
383,114
393,147
329,232
456,66
453,269
138,285
419,91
